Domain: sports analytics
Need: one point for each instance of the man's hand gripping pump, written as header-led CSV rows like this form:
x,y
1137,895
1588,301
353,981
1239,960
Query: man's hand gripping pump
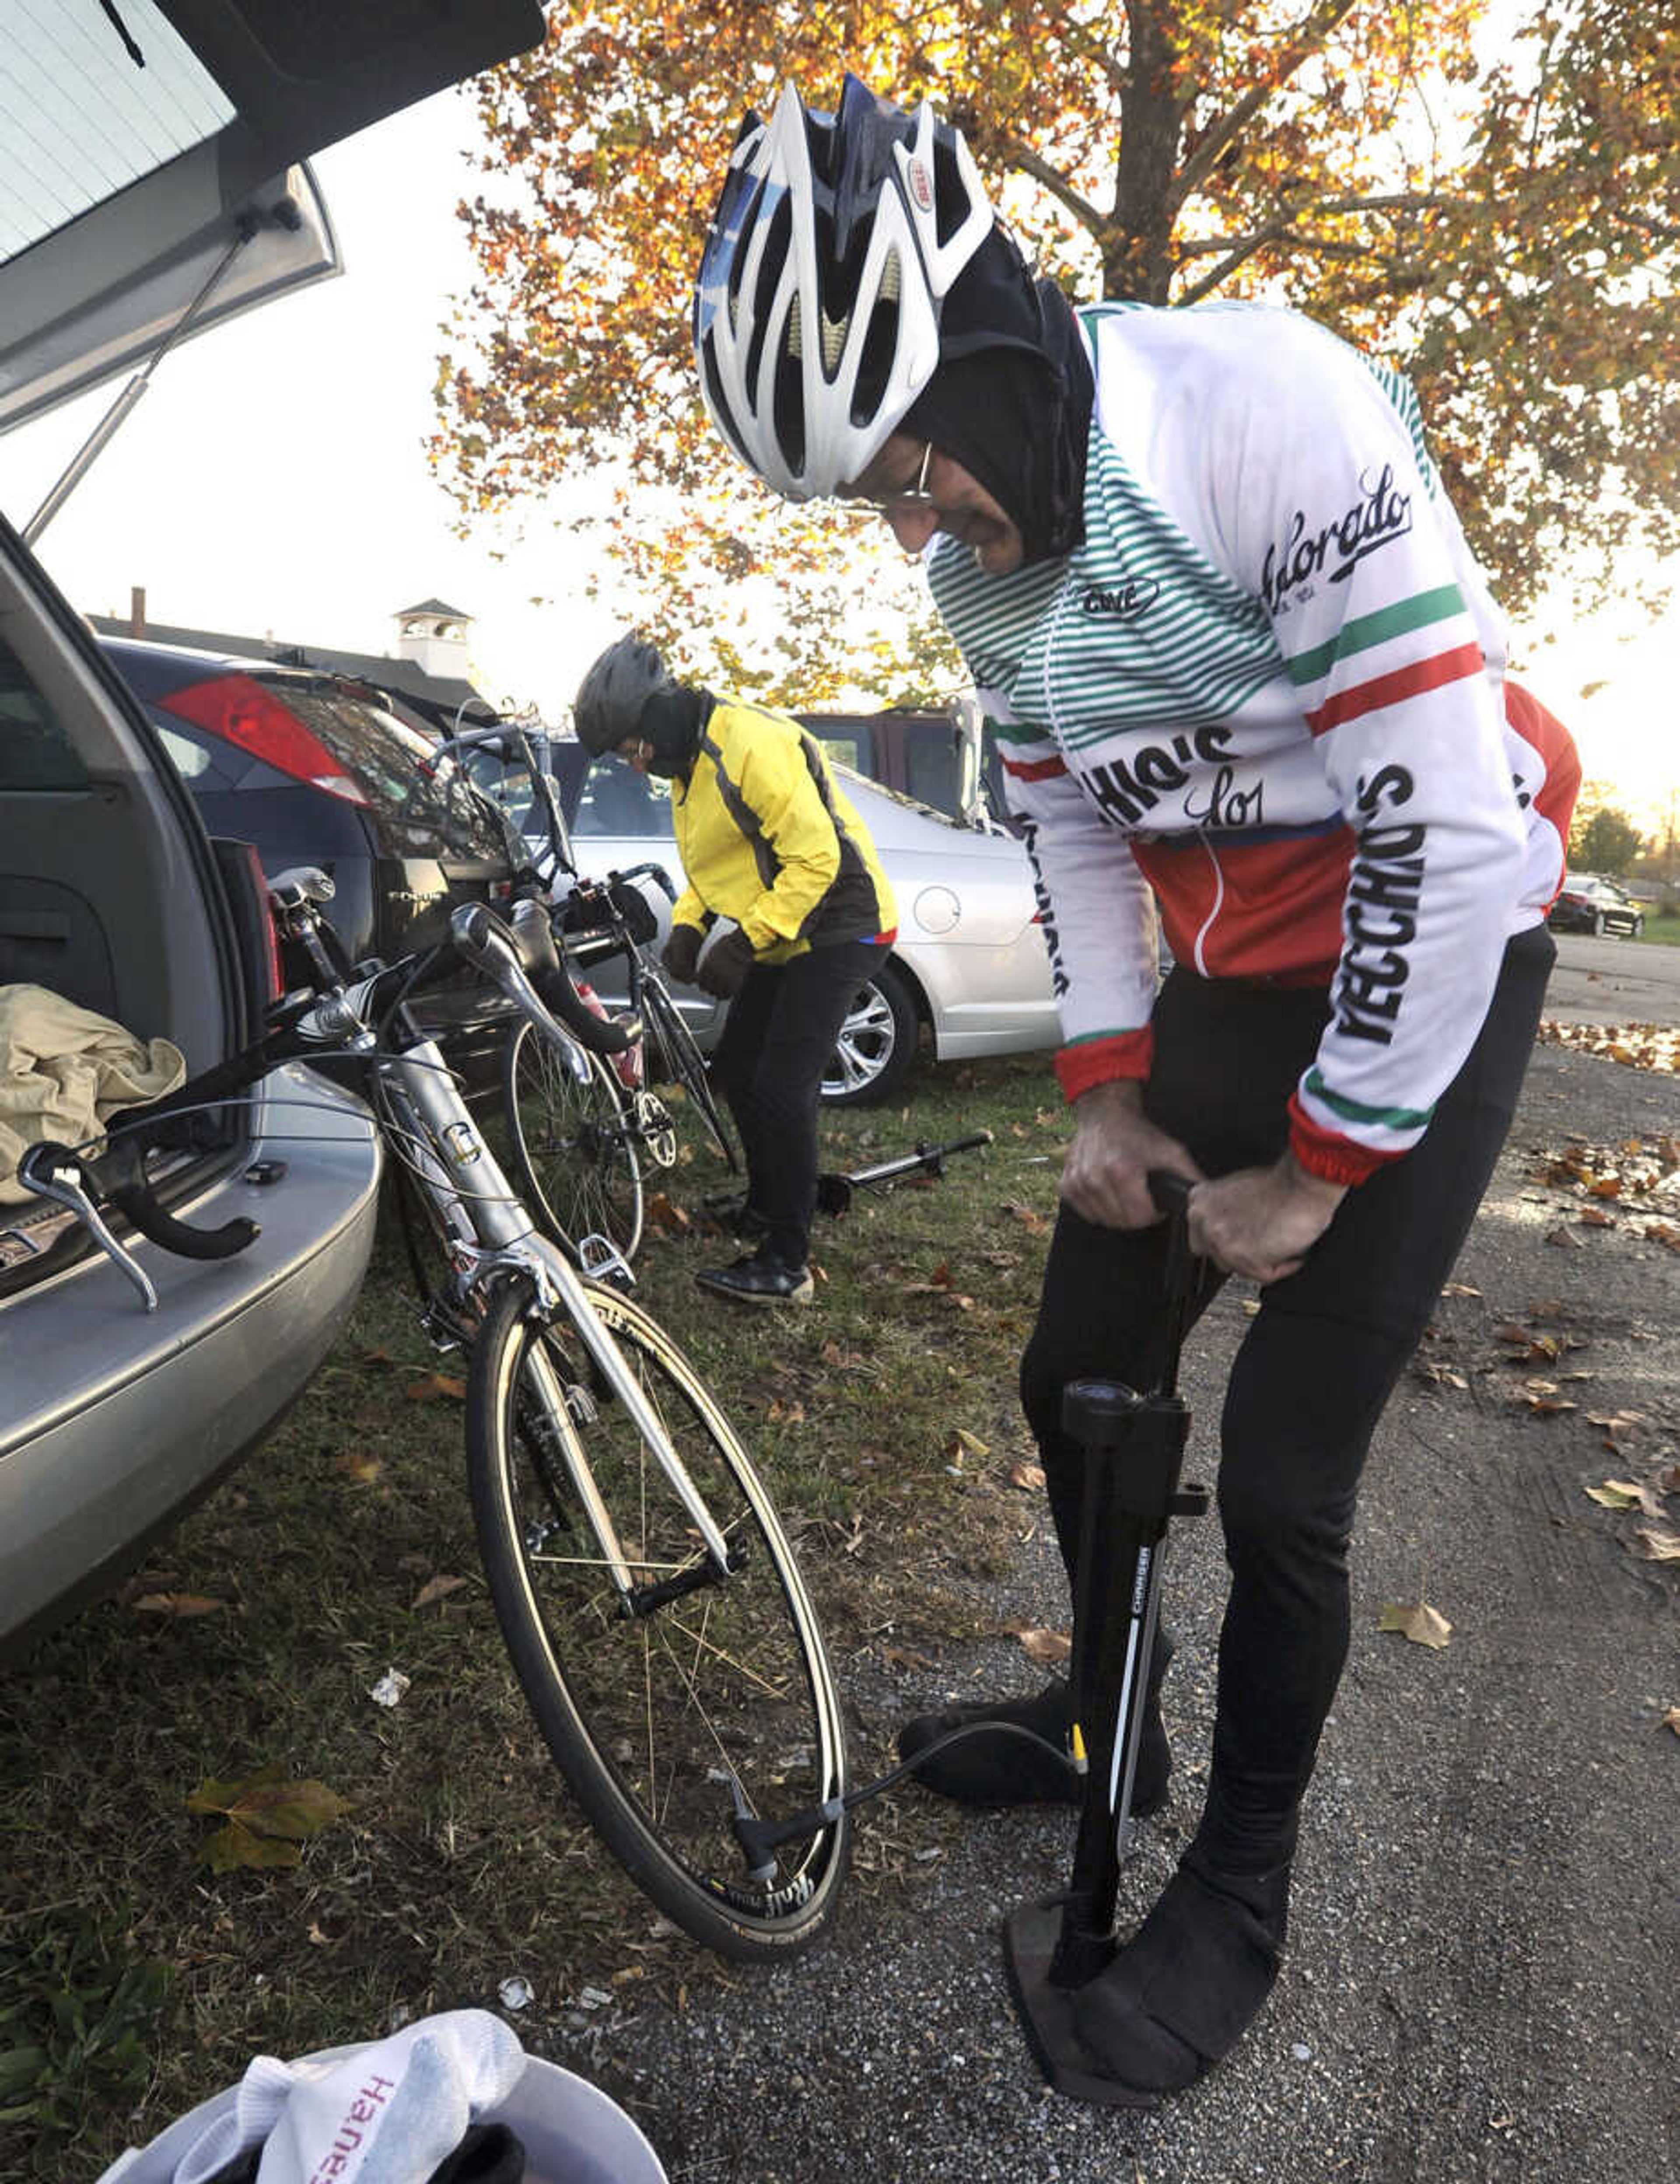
x,y
1134,1448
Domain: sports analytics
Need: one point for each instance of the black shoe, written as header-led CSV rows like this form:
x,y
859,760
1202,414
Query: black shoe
x,y
1008,1769
758,1278
1190,1982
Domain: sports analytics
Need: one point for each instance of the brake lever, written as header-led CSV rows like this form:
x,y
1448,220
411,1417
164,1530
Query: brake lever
x,y
54,1172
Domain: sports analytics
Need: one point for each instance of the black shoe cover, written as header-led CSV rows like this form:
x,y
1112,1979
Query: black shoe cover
x,y
1188,1985
1007,1769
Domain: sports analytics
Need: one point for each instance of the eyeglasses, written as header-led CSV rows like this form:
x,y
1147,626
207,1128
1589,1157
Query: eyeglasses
x,y
907,498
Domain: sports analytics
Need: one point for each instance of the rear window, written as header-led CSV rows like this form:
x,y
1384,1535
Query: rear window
x,y
424,796
35,751
618,800
93,121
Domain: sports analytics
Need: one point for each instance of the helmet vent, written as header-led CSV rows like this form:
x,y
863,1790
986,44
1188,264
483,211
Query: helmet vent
x,y
833,340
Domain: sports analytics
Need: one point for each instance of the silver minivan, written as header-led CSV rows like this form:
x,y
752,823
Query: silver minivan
x,y
151,184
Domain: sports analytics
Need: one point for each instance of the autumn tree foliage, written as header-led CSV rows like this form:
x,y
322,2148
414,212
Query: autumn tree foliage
x,y
1486,192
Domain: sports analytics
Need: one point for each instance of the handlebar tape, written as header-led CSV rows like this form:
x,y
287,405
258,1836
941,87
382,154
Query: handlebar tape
x,y
143,1212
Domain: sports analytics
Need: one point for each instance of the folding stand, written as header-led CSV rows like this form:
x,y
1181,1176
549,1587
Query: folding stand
x,y
1134,1447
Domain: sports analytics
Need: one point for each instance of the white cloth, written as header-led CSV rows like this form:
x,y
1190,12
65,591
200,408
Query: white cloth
x,y
64,1071
385,2113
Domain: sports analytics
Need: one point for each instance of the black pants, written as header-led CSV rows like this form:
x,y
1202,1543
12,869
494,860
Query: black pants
x,y
777,1037
1316,1365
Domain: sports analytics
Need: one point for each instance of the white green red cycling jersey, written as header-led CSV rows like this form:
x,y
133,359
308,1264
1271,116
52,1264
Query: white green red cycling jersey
x,y
1268,695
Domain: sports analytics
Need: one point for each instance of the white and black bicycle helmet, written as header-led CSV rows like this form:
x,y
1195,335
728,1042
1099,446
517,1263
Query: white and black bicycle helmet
x,y
835,241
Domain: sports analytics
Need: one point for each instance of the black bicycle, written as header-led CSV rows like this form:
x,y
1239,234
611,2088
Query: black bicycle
x,y
582,1140
644,1585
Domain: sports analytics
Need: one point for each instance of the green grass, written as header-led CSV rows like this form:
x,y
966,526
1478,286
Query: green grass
x,y
1663,928
129,1971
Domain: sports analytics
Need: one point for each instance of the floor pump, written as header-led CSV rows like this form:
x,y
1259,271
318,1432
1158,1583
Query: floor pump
x,y
1134,1451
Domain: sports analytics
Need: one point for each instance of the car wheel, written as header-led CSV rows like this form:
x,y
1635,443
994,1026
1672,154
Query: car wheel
x,y
1598,923
876,1045
1635,928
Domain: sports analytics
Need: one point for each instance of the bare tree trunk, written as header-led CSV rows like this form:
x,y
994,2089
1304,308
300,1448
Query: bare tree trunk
x,y
1136,243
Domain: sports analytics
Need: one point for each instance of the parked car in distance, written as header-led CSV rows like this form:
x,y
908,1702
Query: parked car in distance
x,y
312,769
1588,904
947,760
970,963
121,197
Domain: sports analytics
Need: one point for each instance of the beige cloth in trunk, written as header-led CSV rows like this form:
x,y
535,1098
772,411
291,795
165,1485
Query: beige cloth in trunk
x,y
65,1071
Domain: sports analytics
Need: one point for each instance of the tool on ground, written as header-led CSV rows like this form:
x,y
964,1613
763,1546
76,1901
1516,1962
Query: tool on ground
x,y
834,1191
1134,1448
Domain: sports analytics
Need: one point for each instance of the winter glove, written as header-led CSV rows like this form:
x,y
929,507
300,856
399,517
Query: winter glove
x,y
724,971
683,952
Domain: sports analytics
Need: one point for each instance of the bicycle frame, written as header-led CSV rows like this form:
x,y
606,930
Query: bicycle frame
x,y
489,1229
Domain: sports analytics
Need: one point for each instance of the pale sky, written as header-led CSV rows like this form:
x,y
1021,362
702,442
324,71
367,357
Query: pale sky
x,y
273,480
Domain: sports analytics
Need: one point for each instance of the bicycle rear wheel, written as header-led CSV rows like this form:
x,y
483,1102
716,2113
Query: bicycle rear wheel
x,y
574,1145
673,1058
656,1709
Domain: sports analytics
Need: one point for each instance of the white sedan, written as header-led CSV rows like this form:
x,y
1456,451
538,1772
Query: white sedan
x,y
969,962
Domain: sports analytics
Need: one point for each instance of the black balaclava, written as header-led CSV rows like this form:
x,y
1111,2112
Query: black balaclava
x,y
1010,398
672,721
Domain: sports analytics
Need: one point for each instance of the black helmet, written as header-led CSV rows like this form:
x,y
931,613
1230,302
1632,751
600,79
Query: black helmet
x,y
610,697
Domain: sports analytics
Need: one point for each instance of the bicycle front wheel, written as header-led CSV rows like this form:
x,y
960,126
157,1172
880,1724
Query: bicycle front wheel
x,y
574,1145
664,1687
673,1058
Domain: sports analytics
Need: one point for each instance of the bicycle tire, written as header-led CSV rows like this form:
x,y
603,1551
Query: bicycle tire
x,y
673,1058
648,1716
573,1145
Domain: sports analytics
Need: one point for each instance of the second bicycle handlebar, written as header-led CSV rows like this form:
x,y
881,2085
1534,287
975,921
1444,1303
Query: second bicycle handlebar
x,y
521,959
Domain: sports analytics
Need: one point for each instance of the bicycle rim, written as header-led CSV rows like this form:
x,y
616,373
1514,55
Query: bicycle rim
x,y
574,1146
679,1061
655,1718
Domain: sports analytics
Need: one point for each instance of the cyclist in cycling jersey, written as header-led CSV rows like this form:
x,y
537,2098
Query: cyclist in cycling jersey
x,y
1249,680
767,840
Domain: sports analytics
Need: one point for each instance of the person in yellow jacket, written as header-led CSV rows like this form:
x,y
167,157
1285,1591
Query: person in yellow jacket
x,y
769,844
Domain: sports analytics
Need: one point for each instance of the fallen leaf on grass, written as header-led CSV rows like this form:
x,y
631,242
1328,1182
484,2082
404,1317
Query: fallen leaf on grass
x,y
183,1604
436,1588
664,1213
436,1388
1028,1215
1672,1720
1657,1545
379,1357
1417,1620
1443,1375
267,1816
357,1464
1029,1476
1594,1217
967,1443
1460,1289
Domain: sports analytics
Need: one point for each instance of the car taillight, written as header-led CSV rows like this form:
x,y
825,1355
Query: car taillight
x,y
240,710
277,985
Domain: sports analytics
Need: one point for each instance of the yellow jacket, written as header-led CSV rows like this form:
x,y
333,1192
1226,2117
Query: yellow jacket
x,y
766,838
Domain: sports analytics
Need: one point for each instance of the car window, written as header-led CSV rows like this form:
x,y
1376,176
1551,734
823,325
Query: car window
x,y
616,800
35,751
96,123
419,794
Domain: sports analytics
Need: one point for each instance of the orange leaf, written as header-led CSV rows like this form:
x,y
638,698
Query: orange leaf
x,y
182,1604
435,1387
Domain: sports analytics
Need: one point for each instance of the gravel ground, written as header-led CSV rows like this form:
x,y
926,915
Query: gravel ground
x,y
1481,1978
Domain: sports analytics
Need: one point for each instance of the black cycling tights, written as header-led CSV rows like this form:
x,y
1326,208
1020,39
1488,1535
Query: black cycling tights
x,y
776,1042
1317,1363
